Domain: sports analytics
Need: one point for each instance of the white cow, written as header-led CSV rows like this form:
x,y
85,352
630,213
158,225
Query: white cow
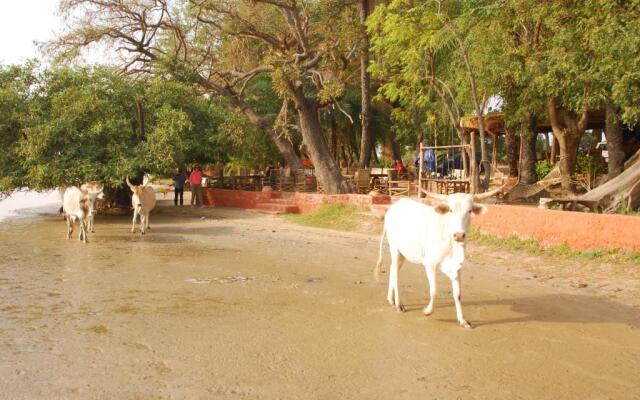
x,y
143,201
431,236
75,205
95,192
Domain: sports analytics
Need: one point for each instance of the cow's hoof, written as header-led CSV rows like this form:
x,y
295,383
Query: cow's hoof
x,y
427,311
400,308
133,231
465,324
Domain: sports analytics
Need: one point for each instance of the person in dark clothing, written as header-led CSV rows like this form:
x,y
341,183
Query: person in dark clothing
x,y
178,182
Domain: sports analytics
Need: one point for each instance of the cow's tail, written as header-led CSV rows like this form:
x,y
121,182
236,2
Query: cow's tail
x,y
376,270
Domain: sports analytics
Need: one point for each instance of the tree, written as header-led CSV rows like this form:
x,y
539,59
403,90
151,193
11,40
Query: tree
x,y
15,95
421,63
365,90
83,124
304,45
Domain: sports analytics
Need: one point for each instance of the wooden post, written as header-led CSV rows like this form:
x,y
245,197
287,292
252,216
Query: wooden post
x,y
494,155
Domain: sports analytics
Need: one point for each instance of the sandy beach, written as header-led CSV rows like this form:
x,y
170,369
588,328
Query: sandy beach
x,y
230,304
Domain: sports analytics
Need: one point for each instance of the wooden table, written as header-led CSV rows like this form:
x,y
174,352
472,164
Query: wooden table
x,y
446,186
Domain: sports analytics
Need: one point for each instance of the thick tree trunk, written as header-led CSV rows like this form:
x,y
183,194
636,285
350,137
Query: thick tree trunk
x,y
568,128
614,134
334,138
284,146
326,169
473,165
365,91
528,162
513,152
237,104
392,147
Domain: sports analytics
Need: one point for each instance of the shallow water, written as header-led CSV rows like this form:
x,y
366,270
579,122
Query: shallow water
x,y
29,203
239,305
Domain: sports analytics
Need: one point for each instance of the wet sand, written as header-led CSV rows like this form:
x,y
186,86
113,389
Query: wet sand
x,y
228,304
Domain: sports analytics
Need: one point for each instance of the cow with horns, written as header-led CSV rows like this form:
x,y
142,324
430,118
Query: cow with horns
x,y
432,236
143,201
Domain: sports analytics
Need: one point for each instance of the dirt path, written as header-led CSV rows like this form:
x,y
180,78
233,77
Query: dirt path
x,y
240,305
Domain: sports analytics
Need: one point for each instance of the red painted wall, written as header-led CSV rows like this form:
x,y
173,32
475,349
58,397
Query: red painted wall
x,y
578,230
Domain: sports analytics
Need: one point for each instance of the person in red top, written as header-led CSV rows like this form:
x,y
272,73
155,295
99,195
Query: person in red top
x,y
306,162
400,168
195,180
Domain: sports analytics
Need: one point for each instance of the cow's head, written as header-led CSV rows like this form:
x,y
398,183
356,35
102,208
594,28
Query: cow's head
x,y
458,208
137,190
95,192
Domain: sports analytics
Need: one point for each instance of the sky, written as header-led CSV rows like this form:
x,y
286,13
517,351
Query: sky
x,y
21,23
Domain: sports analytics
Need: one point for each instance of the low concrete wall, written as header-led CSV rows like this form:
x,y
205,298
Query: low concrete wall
x,y
306,202
578,230
233,198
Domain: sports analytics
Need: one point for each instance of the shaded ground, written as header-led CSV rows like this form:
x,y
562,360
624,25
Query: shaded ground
x,y
229,304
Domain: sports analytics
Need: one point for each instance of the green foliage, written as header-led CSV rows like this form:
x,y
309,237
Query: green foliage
x,y
15,94
586,164
543,167
71,125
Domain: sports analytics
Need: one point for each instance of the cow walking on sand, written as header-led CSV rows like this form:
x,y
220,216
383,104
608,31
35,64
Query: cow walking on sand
x,y
95,191
76,207
432,236
143,201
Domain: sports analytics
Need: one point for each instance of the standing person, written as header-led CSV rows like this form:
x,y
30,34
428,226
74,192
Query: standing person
x,y
399,166
178,185
195,180
268,179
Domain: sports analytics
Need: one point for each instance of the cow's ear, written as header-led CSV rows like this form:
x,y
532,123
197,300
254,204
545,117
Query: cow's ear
x,y
442,208
479,209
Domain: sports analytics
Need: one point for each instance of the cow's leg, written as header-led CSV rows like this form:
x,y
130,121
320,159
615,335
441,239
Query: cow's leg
x,y
143,221
91,224
83,230
393,297
135,216
146,218
69,227
455,288
430,269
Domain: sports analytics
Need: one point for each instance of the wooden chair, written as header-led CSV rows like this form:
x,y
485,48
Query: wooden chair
x,y
319,186
396,187
303,181
284,181
362,181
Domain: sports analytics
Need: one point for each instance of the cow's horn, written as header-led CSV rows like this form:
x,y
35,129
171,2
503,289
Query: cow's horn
x,y
486,195
129,183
